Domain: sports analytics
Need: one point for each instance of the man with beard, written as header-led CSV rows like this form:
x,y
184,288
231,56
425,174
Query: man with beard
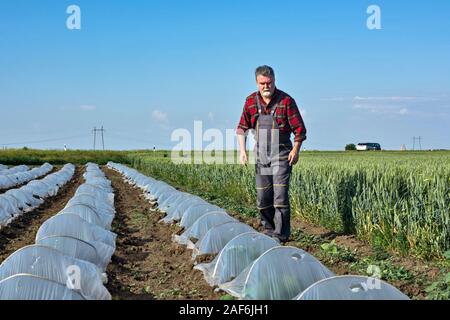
x,y
274,115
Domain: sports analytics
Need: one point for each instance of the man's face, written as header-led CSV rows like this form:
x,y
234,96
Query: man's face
x,y
266,86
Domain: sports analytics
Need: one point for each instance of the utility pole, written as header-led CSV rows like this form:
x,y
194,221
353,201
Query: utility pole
x,y
419,139
103,141
95,135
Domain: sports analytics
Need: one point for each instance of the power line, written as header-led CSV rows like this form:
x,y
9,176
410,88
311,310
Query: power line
x,y
149,143
128,138
43,141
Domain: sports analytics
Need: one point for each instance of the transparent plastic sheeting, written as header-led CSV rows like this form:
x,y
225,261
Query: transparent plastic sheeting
x,y
217,237
14,179
196,211
30,287
133,176
157,189
201,227
73,245
182,207
91,201
171,209
51,264
153,188
238,254
173,199
27,198
74,248
188,209
170,201
24,200
5,171
168,197
351,288
90,214
249,265
99,193
73,226
280,273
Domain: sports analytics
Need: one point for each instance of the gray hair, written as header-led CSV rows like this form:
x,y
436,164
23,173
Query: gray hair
x,y
265,71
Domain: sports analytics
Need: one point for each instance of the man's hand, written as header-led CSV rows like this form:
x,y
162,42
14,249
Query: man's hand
x,y
243,153
293,155
243,157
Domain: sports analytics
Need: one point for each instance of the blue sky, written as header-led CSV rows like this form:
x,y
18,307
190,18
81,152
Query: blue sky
x,y
145,68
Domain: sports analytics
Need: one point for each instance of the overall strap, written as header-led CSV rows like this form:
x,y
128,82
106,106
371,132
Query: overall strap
x,y
258,103
273,109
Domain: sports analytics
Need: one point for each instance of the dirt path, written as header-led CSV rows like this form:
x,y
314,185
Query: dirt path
x,y
22,231
147,264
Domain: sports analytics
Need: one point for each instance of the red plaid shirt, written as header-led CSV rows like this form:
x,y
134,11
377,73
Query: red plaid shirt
x,y
287,115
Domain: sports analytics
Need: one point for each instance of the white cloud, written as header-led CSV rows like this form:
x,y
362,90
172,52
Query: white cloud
x,y
160,116
333,99
382,109
87,107
357,98
403,111
391,99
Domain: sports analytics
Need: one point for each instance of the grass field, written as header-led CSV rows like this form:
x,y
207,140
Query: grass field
x,y
394,200
396,203
35,157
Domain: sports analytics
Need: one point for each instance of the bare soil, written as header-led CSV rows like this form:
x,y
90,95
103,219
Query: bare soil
x,y
147,265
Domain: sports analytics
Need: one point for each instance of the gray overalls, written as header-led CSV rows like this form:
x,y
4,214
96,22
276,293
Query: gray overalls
x,y
272,174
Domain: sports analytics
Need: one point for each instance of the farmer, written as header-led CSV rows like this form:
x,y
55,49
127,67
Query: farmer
x,y
274,115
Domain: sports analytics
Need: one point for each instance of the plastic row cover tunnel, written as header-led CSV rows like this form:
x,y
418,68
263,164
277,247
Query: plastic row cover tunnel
x,y
238,246
248,265
51,264
178,206
351,288
4,170
280,273
212,234
15,202
14,179
253,266
86,218
71,253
